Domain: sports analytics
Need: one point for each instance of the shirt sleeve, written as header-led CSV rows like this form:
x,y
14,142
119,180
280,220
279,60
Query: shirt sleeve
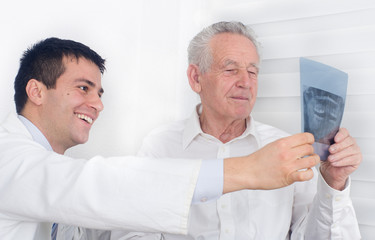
x,y
331,215
210,181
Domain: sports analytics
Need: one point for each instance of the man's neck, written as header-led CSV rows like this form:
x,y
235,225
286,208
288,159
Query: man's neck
x,y
36,134
224,130
36,122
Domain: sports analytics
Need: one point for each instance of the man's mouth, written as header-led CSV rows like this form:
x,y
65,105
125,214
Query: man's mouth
x,y
84,117
240,98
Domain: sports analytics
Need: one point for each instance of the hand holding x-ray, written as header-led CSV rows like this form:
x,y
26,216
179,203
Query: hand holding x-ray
x,y
323,92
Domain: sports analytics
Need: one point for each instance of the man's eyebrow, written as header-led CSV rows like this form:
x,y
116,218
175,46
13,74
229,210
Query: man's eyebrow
x,y
230,61
255,65
90,83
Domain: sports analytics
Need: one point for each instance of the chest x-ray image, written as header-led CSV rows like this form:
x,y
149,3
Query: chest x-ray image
x,y
323,93
323,114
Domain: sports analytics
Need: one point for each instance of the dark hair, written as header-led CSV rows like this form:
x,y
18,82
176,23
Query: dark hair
x,y
44,62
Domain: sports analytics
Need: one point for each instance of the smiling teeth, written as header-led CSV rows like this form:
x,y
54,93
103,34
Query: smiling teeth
x,y
84,117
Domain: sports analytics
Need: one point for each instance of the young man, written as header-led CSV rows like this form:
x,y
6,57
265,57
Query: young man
x,y
223,70
57,95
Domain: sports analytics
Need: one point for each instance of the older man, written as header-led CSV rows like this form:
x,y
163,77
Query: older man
x,y
223,70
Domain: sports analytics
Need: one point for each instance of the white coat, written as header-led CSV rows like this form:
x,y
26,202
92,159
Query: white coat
x,y
38,187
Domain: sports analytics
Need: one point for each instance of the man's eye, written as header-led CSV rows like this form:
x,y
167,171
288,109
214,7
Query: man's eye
x,y
84,88
252,74
230,71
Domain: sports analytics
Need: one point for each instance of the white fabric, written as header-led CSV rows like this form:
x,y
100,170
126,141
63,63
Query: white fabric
x,y
210,181
209,187
252,214
38,187
67,232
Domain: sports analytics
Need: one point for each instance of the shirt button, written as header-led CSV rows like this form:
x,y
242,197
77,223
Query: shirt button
x,y
223,206
204,199
338,198
328,196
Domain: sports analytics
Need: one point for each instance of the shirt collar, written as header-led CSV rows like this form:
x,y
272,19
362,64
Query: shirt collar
x,y
35,133
193,128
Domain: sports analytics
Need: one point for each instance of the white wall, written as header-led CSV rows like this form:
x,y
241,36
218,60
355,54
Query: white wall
x,y
145,48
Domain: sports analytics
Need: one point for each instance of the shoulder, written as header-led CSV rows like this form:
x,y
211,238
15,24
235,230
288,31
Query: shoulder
x,y
163,139
12,128
268,133
167,131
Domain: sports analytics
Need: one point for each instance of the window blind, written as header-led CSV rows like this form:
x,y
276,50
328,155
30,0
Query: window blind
x,y
338,33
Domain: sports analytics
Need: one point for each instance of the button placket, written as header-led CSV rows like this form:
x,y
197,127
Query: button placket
x,y
227,231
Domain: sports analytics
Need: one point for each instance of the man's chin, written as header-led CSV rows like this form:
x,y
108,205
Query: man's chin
x,y
81,139
242,113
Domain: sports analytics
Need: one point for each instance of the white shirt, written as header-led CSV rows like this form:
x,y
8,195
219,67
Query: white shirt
x,y
286,213
39,187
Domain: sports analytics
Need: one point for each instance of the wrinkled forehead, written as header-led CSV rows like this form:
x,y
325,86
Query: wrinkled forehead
x,y
228,48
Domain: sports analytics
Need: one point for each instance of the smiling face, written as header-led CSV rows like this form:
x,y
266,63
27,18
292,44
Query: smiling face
x,y
69,110
229,88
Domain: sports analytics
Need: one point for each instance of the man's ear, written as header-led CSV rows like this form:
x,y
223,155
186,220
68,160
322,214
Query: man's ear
x,y
34,91
194,77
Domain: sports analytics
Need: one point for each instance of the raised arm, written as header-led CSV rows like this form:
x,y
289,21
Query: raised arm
x,y
276,165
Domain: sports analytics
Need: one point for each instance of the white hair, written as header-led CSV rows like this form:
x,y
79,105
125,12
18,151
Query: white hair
x,y
199,51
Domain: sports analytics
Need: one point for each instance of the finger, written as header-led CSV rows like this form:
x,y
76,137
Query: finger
x,y
349,159
299,139
306,162
343,153
352,160
300,176
302,151
341,134
344,143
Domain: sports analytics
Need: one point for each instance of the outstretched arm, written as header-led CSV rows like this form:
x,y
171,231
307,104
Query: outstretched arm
x,y
276,165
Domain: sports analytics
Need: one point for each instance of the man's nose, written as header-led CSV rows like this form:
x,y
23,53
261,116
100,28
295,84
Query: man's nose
x,y
96,103
244,80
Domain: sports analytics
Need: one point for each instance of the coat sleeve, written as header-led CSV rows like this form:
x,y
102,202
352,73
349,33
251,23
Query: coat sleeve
x,y
137,193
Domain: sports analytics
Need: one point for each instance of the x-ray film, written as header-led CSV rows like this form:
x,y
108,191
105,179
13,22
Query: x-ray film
x,y
323,93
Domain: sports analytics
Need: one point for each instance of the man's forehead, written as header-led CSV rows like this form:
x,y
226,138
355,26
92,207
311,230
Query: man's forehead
x,y
235,56
75,59
81,68
70,58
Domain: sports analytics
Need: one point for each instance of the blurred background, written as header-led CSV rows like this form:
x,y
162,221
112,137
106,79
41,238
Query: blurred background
x,y
145,45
